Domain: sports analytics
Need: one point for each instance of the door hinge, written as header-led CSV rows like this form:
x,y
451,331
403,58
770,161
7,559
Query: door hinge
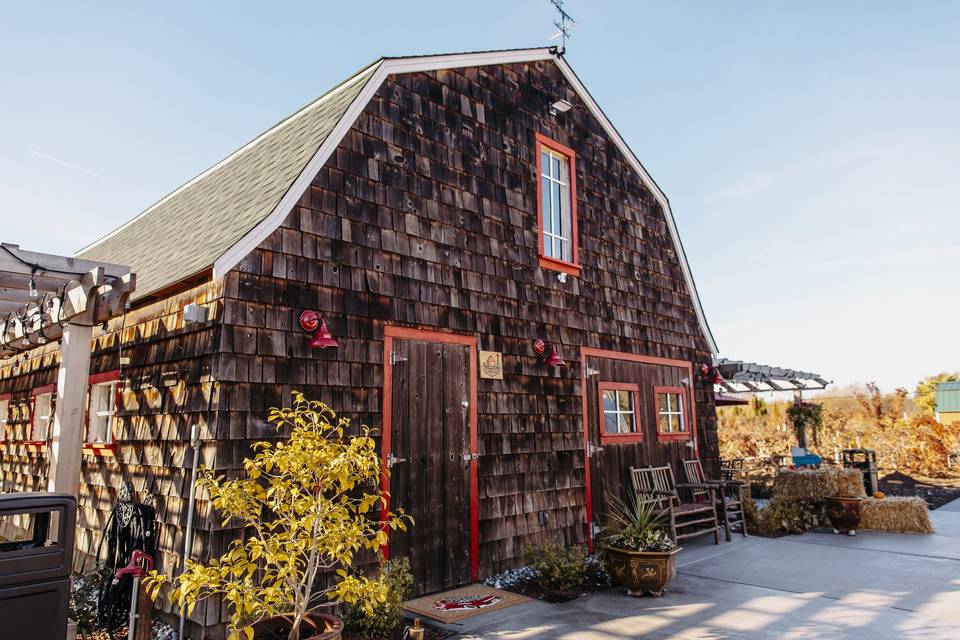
x,y
392,460
396,357
467,457
592,449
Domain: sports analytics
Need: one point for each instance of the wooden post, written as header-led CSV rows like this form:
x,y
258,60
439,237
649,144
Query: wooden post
x,y
66,443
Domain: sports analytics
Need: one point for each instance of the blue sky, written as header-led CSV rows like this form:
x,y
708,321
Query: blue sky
x,y
811,151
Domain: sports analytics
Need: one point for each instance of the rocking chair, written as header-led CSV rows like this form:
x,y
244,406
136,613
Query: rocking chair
x,y
655,485
729,496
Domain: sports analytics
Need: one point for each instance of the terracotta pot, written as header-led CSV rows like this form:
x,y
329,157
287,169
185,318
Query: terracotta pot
x,y
277,627
642,571
844,513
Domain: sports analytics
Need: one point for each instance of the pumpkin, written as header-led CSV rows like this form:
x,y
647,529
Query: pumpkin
x,y
879,495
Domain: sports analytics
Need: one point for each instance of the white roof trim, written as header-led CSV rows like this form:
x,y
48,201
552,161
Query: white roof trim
x,y
389,66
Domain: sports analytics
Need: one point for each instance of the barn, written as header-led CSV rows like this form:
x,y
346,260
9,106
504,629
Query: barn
x,y
508,297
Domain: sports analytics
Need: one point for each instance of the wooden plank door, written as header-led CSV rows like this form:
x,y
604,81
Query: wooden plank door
x,y
430,472
611,457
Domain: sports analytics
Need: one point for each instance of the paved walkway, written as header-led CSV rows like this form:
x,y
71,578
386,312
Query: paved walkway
x,y
876,585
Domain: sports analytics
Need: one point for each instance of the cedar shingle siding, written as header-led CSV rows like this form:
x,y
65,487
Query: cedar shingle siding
x,y
424,216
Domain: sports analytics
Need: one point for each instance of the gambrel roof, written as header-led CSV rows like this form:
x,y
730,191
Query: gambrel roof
x,y
219,217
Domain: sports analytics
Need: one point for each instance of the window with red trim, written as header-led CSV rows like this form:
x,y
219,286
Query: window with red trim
x,y
671,412
619,416
557,206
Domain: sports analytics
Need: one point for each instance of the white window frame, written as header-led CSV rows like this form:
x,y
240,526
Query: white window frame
x,y
556,213
108,414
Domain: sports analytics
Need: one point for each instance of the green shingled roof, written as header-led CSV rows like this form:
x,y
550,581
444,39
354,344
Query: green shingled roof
x,y
948,397
187,231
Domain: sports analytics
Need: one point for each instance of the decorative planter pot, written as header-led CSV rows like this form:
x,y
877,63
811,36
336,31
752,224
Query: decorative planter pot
x,y
325,627
844,513
642,571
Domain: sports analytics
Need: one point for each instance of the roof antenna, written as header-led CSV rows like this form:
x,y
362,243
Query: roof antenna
x,y
563,25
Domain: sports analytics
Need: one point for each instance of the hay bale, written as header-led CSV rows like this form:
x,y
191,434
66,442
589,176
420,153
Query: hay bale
x,y
817,484
901,515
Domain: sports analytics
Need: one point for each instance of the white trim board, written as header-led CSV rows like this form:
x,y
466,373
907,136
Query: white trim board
x,y
392,66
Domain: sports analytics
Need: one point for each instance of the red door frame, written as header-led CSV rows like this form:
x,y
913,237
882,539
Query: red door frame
x,y
391,332
590,352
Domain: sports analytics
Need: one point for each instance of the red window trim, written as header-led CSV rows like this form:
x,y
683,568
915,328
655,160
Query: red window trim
x,y
39,391
547,262
101,448
672,435
636,436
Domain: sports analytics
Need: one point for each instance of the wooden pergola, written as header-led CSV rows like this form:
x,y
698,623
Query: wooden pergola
x,y
737,376
45,298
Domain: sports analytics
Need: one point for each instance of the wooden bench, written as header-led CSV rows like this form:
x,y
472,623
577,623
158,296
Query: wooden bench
x,y
655,485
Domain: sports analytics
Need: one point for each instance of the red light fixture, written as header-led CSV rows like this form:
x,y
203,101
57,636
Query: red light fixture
x,y
539,346
554,360
309,320
322,338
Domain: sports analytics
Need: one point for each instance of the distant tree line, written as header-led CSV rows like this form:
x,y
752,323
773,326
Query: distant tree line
x,y
902,430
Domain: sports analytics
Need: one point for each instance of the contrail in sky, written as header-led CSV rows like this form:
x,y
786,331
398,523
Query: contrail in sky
x,y
72,166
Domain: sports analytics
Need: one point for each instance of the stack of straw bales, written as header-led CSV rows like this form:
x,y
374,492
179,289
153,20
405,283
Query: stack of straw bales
x,y
902,515
817,484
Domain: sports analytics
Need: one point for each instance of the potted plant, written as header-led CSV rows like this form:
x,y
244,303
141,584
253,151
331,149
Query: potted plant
x,y
306,504
640,554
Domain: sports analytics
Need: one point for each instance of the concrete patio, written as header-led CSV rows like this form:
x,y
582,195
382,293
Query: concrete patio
x,y
818,585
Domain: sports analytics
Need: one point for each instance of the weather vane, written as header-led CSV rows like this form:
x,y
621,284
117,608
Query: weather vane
x,y
563,25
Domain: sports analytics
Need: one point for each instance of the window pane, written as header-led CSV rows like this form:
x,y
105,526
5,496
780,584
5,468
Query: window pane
x,y
626,423
625,400
555,167
100,412
662,402
610,423
557,248
664,426
544,163
545,204
41,417
609,400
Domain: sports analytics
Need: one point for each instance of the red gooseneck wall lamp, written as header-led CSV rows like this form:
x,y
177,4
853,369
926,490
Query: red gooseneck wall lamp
x,y
312,321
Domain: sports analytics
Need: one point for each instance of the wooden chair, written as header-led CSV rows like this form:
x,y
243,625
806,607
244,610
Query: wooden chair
x,y
729,496
655,485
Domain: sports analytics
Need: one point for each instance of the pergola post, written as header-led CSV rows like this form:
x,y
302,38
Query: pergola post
x,y
66,441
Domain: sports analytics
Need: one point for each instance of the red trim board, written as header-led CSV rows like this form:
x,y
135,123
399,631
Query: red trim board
x,y
390,333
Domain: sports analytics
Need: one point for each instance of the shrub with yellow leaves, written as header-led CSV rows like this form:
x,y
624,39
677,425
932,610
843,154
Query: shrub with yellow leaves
x,y
306,504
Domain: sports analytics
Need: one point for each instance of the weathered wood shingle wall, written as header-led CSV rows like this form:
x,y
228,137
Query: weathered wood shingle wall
x,y
165,388
426,216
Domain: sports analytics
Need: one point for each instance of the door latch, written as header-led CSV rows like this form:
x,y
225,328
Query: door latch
x,y
467,457
392,460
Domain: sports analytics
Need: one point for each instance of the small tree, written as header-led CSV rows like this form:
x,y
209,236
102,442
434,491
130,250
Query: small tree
x,y
306,503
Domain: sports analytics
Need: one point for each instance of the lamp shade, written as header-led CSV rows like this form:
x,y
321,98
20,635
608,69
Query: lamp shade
x,y
322,338
555,360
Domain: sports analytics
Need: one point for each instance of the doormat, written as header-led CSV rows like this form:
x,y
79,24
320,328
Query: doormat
x,y
465,602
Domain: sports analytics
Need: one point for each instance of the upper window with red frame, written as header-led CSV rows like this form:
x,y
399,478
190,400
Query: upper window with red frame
x,y
671,411
557,206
